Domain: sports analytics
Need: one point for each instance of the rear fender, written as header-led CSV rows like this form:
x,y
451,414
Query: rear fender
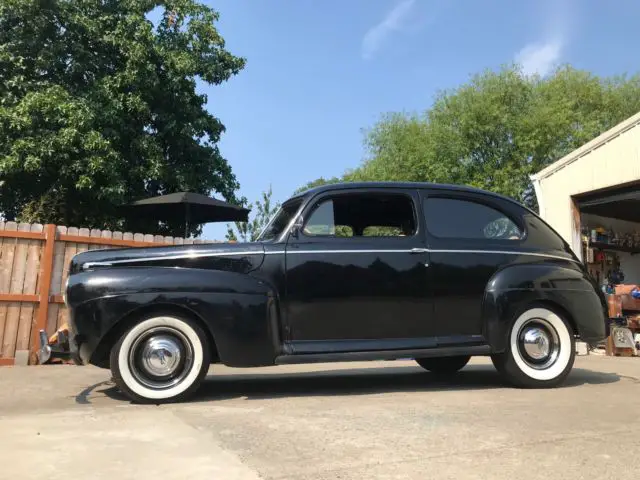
x,y
566,289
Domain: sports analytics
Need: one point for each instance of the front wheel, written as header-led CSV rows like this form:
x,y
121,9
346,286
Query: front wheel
x,y
162,358
540,350
443,366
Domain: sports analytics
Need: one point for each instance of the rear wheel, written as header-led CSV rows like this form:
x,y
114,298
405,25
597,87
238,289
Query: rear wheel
x,y
540,350
162,358
443,365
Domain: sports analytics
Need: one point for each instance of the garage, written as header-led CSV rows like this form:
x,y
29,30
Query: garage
x,y
591,197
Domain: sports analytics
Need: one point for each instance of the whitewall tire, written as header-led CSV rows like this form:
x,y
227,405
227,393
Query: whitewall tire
x,y
540,349
162,358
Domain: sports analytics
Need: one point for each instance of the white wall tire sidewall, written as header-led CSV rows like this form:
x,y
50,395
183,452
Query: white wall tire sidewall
x,y
123,358
564,337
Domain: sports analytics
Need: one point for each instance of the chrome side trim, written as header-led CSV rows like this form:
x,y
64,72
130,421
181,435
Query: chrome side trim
x,y
89,265
506,252
169,257
428,250
377,250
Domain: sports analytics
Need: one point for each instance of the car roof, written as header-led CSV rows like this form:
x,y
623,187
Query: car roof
x,y
408,185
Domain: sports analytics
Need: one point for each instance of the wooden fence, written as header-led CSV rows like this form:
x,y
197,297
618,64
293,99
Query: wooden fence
x,y
34,264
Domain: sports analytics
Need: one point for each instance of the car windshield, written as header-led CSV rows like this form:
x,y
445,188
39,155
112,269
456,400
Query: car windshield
x,y
280,221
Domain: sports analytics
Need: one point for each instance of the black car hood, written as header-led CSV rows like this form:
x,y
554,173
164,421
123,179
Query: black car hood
x,y
239,257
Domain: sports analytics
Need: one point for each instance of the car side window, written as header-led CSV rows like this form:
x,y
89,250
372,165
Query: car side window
x,y
466,219
362,215
323,222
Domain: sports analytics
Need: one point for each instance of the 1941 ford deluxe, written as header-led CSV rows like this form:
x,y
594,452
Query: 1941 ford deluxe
x,y
357,271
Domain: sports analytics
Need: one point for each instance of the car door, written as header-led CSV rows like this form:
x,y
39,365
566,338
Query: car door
x,y
357,273
470,236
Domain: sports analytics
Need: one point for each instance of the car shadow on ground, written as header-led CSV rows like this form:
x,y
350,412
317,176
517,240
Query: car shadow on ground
x,y
361,381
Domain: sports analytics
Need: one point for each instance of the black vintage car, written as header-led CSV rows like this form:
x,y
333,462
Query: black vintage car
x,y
343,272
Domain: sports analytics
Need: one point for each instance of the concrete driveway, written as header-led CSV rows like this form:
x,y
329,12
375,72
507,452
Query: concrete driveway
x,y
387,420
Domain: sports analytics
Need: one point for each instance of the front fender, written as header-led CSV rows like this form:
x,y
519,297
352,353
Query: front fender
x,y
567,288
239,311
86,286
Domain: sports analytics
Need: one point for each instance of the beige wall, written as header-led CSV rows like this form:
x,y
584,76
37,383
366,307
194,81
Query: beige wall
x,y
611,159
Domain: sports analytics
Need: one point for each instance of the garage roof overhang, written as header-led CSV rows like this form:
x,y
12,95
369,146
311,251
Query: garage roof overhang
x,y
587,148
626,207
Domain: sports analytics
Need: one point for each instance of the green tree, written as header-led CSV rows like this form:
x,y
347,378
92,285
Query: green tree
x,y
99,108
496,130
249,231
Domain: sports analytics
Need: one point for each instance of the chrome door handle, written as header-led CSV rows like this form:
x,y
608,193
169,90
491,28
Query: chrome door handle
x,y
419,250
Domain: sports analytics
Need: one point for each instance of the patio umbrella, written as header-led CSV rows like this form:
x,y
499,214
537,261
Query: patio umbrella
x,y
193,208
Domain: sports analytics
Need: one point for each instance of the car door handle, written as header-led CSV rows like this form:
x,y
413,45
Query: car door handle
x,y
419,250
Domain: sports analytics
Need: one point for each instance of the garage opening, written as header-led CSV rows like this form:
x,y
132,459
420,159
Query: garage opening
x,y
609,226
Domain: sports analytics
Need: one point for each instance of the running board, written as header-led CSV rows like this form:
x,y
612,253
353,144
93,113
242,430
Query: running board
x,y
383,355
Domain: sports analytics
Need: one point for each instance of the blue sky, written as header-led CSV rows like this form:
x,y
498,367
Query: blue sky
x,y
320,71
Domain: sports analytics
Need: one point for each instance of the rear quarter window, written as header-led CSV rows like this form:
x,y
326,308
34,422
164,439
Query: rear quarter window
x,y
468,219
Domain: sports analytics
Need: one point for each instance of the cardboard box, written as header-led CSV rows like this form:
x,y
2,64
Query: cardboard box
x,y
630,303
627,301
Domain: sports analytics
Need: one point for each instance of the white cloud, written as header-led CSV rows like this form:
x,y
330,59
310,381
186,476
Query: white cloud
x,y
392,22
540,57
561,18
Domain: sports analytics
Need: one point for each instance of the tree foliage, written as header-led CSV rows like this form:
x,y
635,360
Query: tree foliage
x,y
317,183
497,129
249,231
99,108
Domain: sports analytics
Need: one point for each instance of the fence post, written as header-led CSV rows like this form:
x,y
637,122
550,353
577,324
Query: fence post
x,y
46,268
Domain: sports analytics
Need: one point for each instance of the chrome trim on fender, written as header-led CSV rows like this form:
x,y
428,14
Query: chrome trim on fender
x,y
88,265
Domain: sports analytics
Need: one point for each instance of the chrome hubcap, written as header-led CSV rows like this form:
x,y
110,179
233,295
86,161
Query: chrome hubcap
x,y
538,343
161,355
161,358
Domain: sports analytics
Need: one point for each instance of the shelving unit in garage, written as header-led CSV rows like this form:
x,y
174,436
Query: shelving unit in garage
x,y
610,230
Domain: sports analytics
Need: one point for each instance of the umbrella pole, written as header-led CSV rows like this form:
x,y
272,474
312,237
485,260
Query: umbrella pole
x,y
186,222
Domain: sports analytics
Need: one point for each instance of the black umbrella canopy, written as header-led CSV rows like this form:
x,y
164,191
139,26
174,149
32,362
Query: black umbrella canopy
x,y
193,208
